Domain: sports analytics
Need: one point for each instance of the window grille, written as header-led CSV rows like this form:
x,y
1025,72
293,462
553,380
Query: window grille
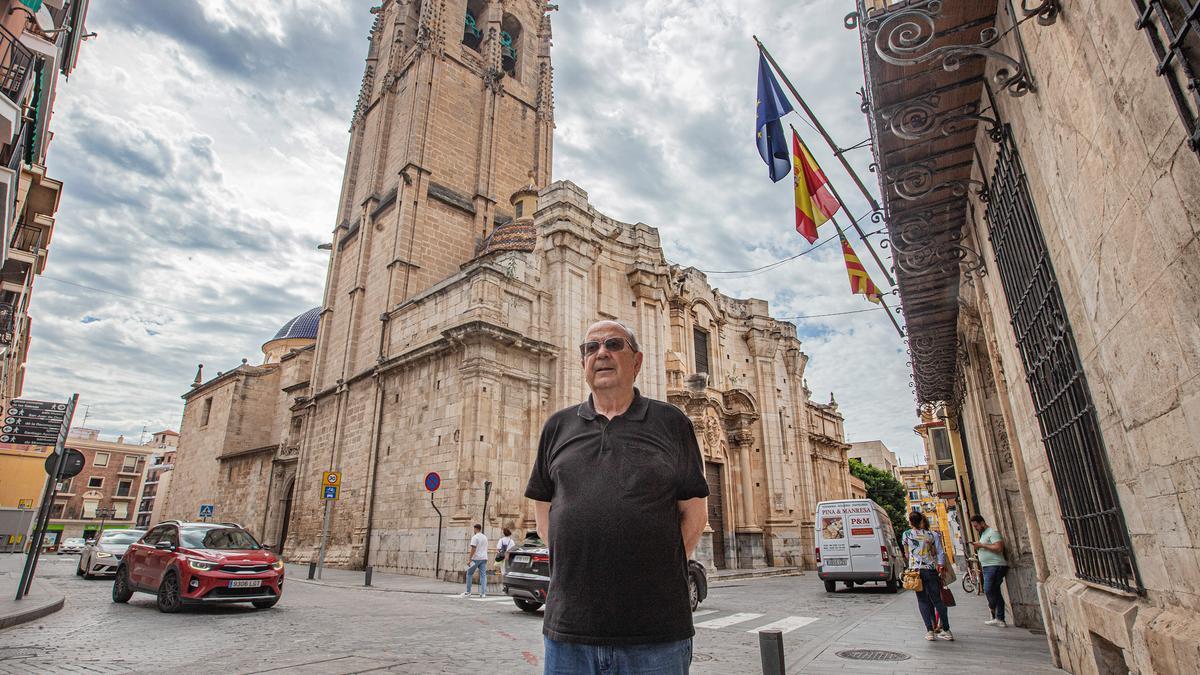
x,y
1070,430
1173,28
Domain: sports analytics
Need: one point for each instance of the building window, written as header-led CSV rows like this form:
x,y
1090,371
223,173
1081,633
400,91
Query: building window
x,y
510,45
96,482
101,459
130,464
124,487
204,412
56,510
89,507
65,485
121,510
1070,430
700,342
473,24
1173,28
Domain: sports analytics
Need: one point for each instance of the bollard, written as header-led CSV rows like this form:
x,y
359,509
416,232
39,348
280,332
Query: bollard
x,y
770,649
369,570
312,569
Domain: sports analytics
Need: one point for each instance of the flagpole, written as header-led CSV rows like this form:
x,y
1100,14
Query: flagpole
x,y
887,310
837,153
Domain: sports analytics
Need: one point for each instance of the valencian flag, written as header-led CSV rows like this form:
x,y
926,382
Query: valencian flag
x,y
771,105
815,202
860,281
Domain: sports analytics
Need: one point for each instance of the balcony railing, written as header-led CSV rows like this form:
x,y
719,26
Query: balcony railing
x,y
16,65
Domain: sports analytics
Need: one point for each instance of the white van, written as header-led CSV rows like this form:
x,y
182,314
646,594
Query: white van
x,y
856,543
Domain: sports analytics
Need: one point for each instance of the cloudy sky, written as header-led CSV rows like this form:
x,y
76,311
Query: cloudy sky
x,y
202,145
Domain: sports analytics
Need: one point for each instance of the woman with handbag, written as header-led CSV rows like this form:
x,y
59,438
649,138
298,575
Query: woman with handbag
x,y
923,548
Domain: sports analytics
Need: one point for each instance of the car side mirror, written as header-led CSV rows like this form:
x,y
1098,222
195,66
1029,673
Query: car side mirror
x,y
164,546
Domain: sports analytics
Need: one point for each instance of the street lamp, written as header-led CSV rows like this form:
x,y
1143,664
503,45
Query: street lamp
x,y
104,513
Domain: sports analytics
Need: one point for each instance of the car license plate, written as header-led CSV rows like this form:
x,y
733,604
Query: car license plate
x,y
520,560
835,562
245,583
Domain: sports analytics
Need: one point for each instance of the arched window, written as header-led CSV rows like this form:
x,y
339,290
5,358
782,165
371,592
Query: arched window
x,y
473,24
510,43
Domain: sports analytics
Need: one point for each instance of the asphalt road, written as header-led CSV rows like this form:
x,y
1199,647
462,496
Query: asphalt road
x,y
323,629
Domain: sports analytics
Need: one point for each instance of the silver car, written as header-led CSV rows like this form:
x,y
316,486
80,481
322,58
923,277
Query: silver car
x,y
72,545
102,556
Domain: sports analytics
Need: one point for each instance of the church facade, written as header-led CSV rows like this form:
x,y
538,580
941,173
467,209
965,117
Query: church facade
x,y
460,281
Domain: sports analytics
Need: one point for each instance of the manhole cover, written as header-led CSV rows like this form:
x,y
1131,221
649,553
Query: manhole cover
x,y
701,657
873,655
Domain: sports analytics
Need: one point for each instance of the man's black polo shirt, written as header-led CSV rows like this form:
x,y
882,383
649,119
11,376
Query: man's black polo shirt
x,y
618,568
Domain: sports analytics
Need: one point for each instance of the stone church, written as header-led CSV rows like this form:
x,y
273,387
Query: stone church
x,y
460,281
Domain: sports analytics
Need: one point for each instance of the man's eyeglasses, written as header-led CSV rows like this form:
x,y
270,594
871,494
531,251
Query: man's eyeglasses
x,y
612,344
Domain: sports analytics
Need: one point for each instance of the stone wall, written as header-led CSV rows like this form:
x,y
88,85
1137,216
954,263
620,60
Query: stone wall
x,y
1117,191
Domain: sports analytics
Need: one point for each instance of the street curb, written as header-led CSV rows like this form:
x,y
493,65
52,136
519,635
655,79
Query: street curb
x,y
314,582
33,611
754,575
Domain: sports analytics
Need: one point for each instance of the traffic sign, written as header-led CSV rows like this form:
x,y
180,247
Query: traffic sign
x,y
332,478
29,422
331,492
432,481
71,466
207,510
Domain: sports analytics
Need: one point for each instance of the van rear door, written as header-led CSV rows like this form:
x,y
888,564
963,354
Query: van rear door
x,y
831,533
865,538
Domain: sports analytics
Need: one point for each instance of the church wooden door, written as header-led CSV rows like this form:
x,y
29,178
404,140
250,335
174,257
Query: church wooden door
x,y
716,513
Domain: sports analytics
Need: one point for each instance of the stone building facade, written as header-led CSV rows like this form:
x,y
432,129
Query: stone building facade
x,y
460,282
239,439
1042,199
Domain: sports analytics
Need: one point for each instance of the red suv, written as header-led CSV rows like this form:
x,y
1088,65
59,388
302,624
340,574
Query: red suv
x,y
199,563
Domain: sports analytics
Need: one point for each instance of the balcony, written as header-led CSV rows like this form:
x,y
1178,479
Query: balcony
x,y
16,70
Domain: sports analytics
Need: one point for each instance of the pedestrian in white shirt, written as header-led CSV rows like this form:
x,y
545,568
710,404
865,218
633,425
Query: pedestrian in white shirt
x,y
479,556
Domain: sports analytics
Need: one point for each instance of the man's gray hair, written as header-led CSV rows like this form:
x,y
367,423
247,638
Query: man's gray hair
x,y
629,336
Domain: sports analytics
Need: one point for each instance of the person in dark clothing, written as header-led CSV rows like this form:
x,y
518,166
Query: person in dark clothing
x,y
618,462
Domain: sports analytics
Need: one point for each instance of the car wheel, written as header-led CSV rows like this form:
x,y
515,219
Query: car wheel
x,y
169,599
121,590
693,592
265,604
830,586
527,605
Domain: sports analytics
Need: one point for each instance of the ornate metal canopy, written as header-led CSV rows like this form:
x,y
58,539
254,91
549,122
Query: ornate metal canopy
x,y
925,68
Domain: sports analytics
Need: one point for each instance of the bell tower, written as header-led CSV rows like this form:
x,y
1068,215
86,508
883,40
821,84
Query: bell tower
x,y
455,114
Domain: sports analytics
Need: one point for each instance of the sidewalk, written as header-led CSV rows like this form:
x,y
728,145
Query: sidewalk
x,y
403,583
43,599
897,628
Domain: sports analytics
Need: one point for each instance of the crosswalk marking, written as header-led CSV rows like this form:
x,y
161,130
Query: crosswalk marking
x,y
703,612
494,598
786,624
728,620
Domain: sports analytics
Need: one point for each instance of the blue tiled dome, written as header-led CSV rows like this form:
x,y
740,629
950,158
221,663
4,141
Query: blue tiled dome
x,y
303,326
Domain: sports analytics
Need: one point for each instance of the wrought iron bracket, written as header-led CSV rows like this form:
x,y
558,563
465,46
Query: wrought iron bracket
x,y
917,180
922,117
904,37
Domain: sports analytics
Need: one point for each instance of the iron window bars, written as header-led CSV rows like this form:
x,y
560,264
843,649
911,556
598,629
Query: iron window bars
x,y
1173,28
1070,430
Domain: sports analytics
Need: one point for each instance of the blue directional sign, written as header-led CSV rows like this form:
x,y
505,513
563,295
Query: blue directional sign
x,y
207,510
432,481
331,492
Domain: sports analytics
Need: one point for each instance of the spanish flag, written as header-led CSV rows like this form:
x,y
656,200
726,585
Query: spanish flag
x,y
815,203
860,281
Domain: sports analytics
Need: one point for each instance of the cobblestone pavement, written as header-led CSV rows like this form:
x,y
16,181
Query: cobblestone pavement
x,y
330,629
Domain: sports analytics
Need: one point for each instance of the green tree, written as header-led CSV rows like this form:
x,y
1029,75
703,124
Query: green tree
x,y
885,490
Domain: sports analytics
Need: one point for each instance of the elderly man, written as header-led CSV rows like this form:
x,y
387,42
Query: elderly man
x,y
621,500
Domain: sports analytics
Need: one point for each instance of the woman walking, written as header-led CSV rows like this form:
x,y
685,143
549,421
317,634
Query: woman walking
x,y
923,547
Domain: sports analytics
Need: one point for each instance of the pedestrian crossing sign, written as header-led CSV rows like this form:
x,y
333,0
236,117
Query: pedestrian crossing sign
x,y
207,510
331,492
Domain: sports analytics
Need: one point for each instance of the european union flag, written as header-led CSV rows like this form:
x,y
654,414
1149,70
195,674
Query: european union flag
x,y
772,145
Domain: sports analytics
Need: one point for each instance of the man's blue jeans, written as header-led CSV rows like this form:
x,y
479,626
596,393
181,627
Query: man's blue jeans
x,y
661,658
480,565
993,577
